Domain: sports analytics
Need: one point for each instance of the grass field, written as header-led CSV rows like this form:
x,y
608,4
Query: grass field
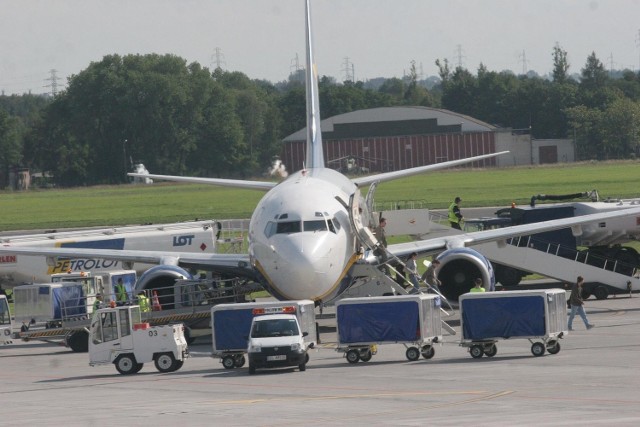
x,y
170,202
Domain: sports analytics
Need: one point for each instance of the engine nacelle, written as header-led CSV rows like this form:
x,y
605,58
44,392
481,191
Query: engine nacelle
x,y
161,279
459,268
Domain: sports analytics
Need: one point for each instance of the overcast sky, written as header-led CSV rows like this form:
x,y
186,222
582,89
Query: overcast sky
x,y
262,37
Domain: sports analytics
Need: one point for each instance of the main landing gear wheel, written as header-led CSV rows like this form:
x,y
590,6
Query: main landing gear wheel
x,y
537,348
413,354
229,362
165,362
353,356
491,350
126,364
428,351
476,351
553,347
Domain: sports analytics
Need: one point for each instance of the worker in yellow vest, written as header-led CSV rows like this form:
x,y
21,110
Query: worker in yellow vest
x,y
143,302
455,216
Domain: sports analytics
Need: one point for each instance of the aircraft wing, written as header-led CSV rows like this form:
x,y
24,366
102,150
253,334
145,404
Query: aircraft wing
x,y
469,239
236,183
388,176
223,262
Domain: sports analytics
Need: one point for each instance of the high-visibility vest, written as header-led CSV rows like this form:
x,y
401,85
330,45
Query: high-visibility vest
x,y
121,292
143,302
452,216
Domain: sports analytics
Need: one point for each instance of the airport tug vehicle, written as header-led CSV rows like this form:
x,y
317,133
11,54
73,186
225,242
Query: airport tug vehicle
x,y
271,334
119,336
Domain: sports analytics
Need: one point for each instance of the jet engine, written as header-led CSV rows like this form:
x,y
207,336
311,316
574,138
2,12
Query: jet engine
x,y
161,279
459,268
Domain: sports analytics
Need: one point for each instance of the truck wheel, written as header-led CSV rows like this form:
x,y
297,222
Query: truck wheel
x,y
413,354
302,367
138,368
428,351
126,364
239,361
476,351
178,365
537,349
165,362
228,362
252,369
353,356
601,292
306,358
79,341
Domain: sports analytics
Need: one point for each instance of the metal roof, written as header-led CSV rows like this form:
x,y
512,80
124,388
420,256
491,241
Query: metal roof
x,y
394,114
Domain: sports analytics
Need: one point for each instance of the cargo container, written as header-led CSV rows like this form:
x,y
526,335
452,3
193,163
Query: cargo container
x,y
539,316
411,320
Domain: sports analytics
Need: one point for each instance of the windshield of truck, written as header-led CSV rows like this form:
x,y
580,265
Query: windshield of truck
x,y
274,328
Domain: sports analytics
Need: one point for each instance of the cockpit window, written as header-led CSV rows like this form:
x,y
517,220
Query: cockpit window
x,y
288,227
316,225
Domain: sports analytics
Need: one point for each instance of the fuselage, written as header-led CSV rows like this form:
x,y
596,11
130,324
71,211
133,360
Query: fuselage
x,y
300,235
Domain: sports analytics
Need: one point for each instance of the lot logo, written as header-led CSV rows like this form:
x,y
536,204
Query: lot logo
x,y
183,240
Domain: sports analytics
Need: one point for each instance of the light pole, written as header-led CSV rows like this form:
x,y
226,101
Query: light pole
x,y
124,154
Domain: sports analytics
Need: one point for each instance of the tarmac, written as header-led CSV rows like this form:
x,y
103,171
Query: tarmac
x,y
594,380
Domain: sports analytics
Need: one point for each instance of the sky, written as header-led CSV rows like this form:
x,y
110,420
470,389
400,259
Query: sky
x,y
261,38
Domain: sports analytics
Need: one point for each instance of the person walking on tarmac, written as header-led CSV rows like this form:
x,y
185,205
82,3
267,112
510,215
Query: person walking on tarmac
x,y
455,216
143,302
577,304
121,293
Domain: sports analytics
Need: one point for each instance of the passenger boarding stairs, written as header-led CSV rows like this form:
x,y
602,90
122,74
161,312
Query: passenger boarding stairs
x,y
375,279
520,253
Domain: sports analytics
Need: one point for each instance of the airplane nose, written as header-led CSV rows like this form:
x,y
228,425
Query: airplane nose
x,y
300,269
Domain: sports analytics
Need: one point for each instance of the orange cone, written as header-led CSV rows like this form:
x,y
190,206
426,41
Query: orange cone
x,y
155,306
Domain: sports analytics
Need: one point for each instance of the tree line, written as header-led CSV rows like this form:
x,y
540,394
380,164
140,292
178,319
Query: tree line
x,y
180,118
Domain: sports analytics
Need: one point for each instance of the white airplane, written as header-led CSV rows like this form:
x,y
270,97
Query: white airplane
x,y
307,233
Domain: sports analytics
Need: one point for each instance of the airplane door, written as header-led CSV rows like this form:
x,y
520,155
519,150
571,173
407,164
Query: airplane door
x,y
365,236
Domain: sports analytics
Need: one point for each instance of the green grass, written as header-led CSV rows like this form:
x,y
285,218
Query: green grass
x,y
169,202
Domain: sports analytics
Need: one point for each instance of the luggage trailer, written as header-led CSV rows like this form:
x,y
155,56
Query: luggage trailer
x,y
411,320
539,316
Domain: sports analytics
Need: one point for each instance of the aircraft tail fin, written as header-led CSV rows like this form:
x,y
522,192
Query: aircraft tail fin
x,y
315,155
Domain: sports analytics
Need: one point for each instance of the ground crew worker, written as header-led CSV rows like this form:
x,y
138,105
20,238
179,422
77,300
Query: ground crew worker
x,y
98,303
478,286
455,216
143,302
121,293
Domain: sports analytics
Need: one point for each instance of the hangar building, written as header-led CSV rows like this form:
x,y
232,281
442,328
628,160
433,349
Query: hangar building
x,y
393,138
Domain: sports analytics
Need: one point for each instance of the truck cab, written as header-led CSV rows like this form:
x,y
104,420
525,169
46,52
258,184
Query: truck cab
x,y
276,340
5,322
119,336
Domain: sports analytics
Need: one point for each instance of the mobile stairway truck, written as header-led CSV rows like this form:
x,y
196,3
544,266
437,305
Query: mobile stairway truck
x,y
231,327
539,316
411,320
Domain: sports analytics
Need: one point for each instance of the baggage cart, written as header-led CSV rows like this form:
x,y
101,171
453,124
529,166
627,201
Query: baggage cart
x,y
539,316
411,320
231,325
